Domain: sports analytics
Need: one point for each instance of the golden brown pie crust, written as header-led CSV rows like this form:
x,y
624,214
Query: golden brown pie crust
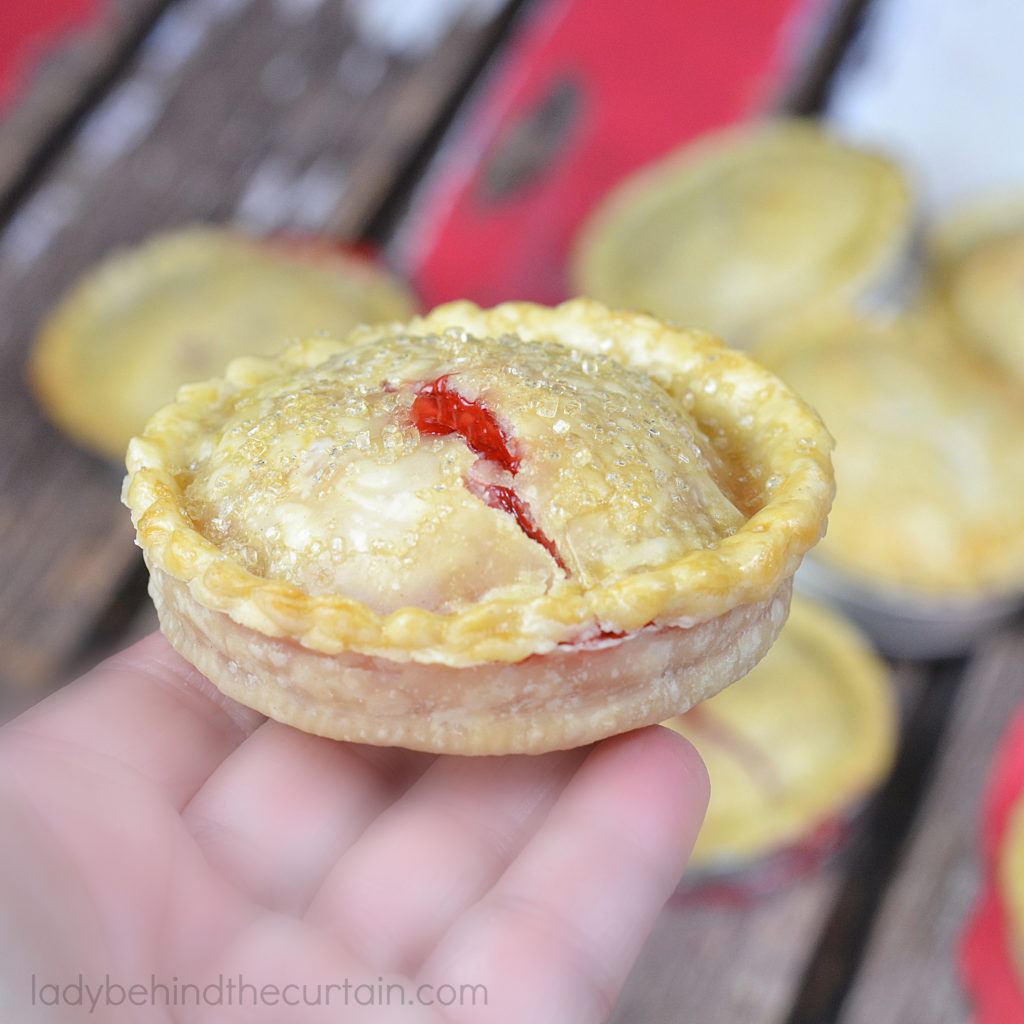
x,y
979,272
1010,883
749,226
611,628
929,465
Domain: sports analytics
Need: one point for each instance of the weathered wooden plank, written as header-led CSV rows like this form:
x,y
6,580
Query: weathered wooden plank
x,y
728,965
62,81
909,974
277,114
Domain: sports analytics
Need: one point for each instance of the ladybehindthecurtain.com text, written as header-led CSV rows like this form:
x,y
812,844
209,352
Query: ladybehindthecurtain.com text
x,y
96,995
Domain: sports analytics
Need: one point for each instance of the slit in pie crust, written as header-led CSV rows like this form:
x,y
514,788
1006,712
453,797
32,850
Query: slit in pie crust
x,y
483,531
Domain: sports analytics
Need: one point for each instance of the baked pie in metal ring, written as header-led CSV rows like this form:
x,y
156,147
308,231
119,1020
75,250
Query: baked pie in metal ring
x,y
747,226
798,743
979,272
928,460
482,531
179,307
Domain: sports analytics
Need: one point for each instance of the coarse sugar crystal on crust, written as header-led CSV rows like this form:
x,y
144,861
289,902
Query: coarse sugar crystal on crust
x,y
481,531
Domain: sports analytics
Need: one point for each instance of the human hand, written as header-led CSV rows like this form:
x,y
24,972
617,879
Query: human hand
x,y
159,835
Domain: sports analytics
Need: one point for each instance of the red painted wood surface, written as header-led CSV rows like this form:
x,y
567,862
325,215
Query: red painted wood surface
x,y
29,29
603,86
987,958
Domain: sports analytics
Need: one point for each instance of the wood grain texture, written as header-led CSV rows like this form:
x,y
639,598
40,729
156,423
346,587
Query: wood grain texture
x,y
728,965
60,84
909,974
277,115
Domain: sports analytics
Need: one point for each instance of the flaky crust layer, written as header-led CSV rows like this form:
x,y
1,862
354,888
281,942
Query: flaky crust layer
x,y
559,700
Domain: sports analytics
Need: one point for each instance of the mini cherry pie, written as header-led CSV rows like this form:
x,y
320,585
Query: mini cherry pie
x,y
483,531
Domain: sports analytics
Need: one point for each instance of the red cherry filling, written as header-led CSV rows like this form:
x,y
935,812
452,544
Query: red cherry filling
x,y
602,634
438,410
505,499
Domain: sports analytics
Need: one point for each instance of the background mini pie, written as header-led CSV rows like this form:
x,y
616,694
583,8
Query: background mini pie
x,y
979,270
484,531
178,308
929,464
747,227
800,740
1010,881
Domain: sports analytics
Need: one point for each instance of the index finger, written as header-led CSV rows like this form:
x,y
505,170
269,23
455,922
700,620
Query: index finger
x,y
568,918
147,708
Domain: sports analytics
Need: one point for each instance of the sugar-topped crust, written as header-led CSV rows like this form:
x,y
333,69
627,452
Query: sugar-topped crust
x,y
489,491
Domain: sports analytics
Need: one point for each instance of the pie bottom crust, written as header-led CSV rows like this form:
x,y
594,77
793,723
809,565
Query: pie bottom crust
x,y
565,698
